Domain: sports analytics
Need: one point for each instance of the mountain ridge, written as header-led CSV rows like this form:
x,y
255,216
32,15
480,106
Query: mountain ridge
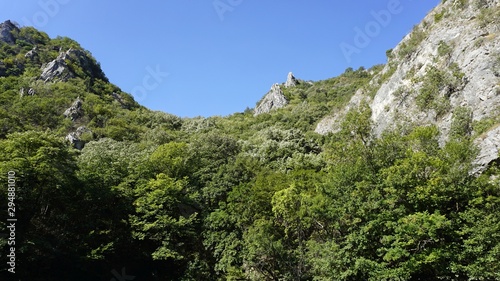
x,y
386,173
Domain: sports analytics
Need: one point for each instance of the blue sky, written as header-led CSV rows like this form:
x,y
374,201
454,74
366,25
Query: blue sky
x,y
217,57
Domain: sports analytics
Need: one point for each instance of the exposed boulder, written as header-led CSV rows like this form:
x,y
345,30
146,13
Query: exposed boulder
x,y
273,100
75,111
56,69
6,35
291,81
63,67
31,54
489,145
75,138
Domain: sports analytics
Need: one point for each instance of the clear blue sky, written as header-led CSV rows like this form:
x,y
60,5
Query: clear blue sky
x,y
219,61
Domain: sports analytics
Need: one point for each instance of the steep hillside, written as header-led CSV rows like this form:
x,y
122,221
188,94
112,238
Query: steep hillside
x,y
386,173
55,84
449,63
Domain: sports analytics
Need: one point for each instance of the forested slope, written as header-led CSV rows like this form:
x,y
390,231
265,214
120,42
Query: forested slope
x,y
106,188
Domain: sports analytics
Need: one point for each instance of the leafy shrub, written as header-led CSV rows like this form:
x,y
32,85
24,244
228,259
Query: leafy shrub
x,y
484,125
444,49
431,95
408,47
33,36
389,54
461,125
439,16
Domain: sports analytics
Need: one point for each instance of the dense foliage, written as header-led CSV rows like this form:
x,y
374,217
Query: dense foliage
x,y
155,197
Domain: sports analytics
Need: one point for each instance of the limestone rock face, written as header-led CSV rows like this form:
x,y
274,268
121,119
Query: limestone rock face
x,y
273,100
291,81
473,49
461,44
489,144
6,29
75,111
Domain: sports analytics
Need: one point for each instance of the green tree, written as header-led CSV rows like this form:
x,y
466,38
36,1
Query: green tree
x,y
164,220
47,204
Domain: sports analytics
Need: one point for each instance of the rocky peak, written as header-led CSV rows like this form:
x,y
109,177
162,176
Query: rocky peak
x,y
291,81
274,99
6,29
63,66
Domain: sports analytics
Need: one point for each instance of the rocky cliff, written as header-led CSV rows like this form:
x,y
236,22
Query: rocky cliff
x,y
6,29
451,60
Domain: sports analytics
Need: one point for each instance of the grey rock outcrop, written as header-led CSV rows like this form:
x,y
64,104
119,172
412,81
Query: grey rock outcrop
x,y
273,100
75,111
31,54
459,42
489,145
59,68
470,50
6,29
56,69
75,137
291,81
